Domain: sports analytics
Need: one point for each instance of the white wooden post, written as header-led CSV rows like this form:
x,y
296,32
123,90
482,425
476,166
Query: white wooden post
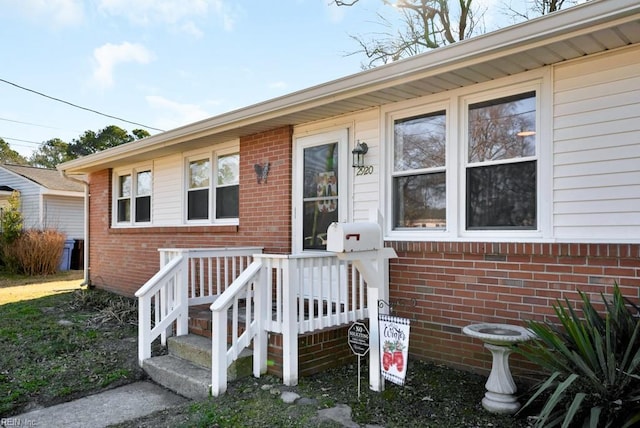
x,y
182,279
260,342
219,353
144,329
290,322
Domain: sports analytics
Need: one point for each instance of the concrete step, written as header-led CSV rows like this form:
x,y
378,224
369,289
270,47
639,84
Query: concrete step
x,y
187,368
181,376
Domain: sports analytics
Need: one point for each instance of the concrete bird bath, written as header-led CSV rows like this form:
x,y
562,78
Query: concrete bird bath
x,y
497,338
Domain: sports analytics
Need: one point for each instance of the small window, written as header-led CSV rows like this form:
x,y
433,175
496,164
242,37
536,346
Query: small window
x,y
124,198
198,192
419,176
143,196
133,196
501,175
213,187
227,186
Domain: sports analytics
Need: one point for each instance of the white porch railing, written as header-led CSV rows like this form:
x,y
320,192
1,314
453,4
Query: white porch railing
x,y
250,294
287,294
187,277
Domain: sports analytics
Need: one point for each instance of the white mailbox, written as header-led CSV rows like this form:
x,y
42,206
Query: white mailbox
x,y
351,237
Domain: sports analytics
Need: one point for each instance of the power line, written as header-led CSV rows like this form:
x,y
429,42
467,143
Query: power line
x,y
34,124
22,141
77,106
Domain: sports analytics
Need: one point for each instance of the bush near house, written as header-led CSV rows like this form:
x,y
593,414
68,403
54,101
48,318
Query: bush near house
x,y
593,363
35,252
29,252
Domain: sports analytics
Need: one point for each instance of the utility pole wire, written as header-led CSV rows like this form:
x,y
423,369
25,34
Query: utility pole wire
x,y
77,106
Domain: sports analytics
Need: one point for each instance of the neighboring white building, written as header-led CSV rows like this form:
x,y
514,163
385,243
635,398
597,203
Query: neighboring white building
x,y
47,199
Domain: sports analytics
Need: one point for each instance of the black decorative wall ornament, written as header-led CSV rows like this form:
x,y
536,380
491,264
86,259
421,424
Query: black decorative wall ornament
x,y
261,172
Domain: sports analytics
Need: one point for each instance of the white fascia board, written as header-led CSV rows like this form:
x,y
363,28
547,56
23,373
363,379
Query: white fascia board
x,y
544,30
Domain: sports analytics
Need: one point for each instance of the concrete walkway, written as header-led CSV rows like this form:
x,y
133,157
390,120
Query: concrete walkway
x,y
101,410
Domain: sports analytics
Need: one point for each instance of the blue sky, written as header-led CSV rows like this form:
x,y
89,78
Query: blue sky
x,y
164,63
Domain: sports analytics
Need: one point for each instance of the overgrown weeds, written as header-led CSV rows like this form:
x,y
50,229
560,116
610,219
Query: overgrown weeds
x,y
55,349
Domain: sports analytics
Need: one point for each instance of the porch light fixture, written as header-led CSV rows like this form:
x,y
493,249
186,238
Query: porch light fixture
x,y
358,153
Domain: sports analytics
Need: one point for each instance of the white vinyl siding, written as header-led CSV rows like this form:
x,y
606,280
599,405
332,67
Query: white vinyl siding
x,y
65,214
167,189
29,197
597,148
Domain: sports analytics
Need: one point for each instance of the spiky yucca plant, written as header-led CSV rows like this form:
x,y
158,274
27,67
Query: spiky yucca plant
x,y
593,363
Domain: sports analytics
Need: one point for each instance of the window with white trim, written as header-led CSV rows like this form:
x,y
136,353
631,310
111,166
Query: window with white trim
x,y
477,178
419,174
133,190
501,169
213,183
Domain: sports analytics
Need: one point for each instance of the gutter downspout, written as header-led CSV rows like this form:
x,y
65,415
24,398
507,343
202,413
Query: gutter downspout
x,y
87,269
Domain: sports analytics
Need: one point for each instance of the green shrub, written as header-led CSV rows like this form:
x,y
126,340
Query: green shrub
x,y
593,363
11,219
35,252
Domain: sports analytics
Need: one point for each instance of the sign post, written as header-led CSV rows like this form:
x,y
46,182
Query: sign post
x,y
358,337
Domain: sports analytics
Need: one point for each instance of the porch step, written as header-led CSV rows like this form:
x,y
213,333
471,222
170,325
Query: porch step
x,y
181,376
187,368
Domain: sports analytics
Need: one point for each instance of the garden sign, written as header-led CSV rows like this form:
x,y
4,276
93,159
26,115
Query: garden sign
x,y
394,347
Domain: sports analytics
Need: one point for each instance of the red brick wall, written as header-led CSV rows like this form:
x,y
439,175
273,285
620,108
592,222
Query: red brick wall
x,y
444,286
122,260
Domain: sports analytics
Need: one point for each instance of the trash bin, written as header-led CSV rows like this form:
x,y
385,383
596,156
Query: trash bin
x,y
77,255
65,260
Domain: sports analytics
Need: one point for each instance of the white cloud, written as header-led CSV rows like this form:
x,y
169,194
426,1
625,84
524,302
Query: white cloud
x,y
58,13
108,56
174,114
178,13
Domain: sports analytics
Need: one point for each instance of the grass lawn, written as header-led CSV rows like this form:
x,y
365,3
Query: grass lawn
x,y
59,342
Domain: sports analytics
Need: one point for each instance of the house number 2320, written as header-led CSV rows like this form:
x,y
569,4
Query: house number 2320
x,y
364,170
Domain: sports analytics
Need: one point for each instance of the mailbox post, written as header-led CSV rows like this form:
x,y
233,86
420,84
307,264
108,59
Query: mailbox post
x,y
361,243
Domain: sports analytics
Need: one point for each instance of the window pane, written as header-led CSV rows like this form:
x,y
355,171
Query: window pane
x,y
502,196
228,170
420,142
124,187
199,173
124,210
227,202
143,209
420,201
143,183
318,215
320,189
503,128
198,204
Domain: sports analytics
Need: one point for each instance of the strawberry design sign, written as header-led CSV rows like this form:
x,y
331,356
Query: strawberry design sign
x,y
394,347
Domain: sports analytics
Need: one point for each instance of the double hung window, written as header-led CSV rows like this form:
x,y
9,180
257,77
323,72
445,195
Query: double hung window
x,y
133,196
213,187
501,190
419,176
481,175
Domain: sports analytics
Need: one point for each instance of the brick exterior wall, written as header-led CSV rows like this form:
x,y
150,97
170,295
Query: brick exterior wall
x,y
440,286
444,286
122,260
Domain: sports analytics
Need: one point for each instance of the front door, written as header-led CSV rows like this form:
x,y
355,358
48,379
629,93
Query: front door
x,y
320,187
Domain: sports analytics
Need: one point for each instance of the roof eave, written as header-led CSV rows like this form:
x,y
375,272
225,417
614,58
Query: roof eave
x,y
540,31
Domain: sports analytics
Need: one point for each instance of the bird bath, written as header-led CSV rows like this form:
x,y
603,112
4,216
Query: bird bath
x,y
497,338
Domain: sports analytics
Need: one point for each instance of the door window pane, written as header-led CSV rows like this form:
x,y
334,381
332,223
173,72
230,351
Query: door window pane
x,y
320,194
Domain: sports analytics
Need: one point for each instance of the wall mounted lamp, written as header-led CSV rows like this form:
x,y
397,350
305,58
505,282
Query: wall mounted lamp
x,y
358,153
